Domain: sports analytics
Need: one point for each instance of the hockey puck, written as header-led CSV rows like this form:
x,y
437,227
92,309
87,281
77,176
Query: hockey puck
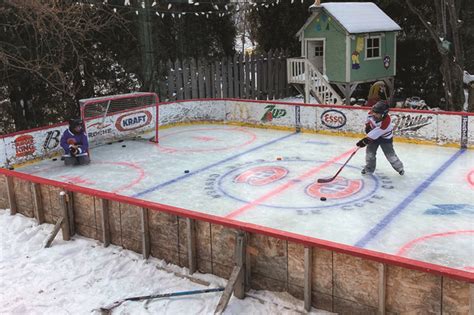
x,y
109,143
123,145
55,159
186,171
11,168
279,158
323,198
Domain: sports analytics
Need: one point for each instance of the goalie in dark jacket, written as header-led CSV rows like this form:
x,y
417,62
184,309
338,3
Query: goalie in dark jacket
x,y
75,144
379,130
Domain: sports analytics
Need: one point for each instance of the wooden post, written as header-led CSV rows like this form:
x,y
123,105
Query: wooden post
x,y
240,256
11,196
194,79
37,202
236,76
382,288
65,215
105,222
186,85
225,78
54,232
241,76
191,235
308,268
230,78
70,209
145,234
471,299
178,72
236,281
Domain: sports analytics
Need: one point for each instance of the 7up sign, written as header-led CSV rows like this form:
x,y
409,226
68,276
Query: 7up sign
x,y
272,112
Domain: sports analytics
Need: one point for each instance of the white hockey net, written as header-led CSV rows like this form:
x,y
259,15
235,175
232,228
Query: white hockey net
x,y
119,117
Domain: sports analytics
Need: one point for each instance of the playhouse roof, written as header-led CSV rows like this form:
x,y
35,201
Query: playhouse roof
x,y
358,17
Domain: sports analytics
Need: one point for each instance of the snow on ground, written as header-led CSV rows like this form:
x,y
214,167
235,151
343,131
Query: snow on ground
x,y
80,276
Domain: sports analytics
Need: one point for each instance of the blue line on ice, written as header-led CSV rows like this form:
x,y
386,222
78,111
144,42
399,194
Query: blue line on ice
x,y
151,189
398,209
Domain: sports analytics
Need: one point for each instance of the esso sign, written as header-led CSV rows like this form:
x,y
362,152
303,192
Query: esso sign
x,y
133,120
333,119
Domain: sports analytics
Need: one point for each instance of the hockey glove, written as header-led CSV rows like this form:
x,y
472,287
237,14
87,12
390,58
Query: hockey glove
x,y
363,142
73,150
367,128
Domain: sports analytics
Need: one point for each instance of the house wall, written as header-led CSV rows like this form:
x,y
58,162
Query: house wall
x,y
373,69
325,26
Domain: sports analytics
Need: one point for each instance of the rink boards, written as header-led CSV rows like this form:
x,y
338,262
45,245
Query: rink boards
x,y
329,276
443,128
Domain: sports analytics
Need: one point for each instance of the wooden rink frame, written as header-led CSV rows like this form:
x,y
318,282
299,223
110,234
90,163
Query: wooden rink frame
x,y
326,275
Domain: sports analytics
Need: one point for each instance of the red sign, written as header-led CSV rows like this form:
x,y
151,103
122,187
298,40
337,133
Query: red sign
x,y
261,175
340,188
132,121
25,145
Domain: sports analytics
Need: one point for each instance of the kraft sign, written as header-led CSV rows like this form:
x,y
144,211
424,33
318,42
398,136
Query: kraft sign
x,y
132,121
333,119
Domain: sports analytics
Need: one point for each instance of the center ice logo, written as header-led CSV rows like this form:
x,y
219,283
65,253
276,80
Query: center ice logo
x,y
262,175
339,188
132,121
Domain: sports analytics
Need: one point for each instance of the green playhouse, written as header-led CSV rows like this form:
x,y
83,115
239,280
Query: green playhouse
x,y
342,45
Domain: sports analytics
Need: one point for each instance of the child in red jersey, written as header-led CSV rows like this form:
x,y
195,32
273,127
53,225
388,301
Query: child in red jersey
x,y
379,130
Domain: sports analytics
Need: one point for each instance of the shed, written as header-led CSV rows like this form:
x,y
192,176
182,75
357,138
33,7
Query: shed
x,y
344,44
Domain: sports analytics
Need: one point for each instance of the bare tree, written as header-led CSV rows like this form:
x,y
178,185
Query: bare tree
x,y
49,43
444,29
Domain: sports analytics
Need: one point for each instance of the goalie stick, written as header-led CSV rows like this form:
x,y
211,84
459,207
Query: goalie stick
x,y
330,179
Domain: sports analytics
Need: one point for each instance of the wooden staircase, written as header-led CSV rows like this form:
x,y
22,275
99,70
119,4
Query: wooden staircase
x,y
309,81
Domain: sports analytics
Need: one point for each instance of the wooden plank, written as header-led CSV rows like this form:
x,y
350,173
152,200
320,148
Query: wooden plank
x,y
201,82
194,79
55,231
11,196
172,94
65,215
240,261
382,289
252,77
191,236
37,202
235,76
471,299
105,222
230,77
145,233
208,80
178,72
186,79
241,76
308,267
225,297
225,78
260,77
216,86
70,209
270,87
247,76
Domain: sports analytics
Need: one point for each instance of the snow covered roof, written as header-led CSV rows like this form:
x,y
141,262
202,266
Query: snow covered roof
x,y
360,17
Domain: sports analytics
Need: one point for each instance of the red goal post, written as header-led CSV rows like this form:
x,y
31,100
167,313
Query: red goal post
x,y
120,117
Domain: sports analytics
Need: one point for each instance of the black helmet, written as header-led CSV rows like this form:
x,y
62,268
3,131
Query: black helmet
x,y
381,107
73,123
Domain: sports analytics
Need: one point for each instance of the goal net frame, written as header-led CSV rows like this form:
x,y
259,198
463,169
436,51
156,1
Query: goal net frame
x,y
120,117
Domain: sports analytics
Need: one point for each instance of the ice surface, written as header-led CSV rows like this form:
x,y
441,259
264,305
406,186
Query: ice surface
x,y
236,172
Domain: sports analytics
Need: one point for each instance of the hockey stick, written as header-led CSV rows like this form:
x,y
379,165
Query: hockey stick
x,y
107,309
330,179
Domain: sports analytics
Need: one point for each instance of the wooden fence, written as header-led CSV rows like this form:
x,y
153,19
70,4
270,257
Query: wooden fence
x,y
240,76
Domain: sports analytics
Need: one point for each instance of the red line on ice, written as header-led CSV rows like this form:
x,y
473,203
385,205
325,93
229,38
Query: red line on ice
x,y
405,248
287,185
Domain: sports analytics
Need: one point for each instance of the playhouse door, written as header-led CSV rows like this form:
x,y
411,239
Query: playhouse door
x,y
316,54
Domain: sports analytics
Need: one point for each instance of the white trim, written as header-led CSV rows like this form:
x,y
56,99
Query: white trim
x,y
317,39
380,47
348,58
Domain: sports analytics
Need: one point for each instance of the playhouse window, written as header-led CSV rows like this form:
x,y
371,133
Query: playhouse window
x,y
318,51
372,47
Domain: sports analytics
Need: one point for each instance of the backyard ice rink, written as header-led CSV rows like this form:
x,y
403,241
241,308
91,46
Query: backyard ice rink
x,y
269,178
